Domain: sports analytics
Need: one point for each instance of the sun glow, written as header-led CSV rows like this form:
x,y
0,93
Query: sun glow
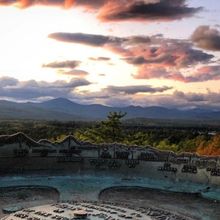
x,y
25,47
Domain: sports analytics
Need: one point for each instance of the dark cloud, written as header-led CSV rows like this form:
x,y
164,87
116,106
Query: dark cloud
x,y
117,91
179,55
120,95
207,38
190,97
31,89
98,40
100,58
177,99
63,64
167,53
209,99
136,89
87,39
122,10
138,39
151,10
90,4
8,81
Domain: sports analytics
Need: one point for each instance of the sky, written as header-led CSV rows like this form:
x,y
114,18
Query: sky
x,y
111,52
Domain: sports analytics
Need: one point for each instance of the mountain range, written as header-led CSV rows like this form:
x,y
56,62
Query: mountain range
x,y
64,110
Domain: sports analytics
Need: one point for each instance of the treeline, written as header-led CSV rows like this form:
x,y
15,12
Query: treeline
x,y
178,139
112,130
164,139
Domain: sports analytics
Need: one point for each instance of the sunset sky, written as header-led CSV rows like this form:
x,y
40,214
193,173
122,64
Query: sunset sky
x,y
112,52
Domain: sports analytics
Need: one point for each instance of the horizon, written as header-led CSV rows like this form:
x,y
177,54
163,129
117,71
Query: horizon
x,y
114,53
120,107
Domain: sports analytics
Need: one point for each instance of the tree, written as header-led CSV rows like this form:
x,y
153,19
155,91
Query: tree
x,y
108,131
111,128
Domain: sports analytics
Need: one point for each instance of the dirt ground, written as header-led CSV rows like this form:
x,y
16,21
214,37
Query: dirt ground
x,y
188,205
26,197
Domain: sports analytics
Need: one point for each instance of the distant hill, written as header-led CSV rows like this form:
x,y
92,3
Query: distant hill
x,y
13,110
63,109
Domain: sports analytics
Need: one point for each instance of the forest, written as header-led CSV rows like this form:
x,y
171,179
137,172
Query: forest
x,y
185,136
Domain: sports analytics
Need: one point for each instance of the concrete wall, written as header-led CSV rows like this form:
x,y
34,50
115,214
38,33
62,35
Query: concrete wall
x,y
88,157
147,169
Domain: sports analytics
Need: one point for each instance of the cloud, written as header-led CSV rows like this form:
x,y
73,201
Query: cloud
x,y
172,54
201,74
31,89
117,91
94,4
98,40
209,99
143,95
207,38
142,49
87,39
205,73
67,68
150,72
120,95
121,10
136,89
154,56
8,81
190,97
28,3
151,10
163,52
73,72
100,58
63,64
7,2
177,99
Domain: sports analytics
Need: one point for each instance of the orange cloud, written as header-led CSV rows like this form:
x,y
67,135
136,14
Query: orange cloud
x,y
69,3
122,10
155,57
201,74
27,3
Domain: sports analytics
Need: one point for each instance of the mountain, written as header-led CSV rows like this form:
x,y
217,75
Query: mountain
x,y
64,109
13,110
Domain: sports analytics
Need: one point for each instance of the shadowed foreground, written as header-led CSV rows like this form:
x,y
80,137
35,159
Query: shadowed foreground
x,y
191,205
26,196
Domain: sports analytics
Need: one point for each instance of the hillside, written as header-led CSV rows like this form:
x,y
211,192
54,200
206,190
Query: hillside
x,y
64,109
